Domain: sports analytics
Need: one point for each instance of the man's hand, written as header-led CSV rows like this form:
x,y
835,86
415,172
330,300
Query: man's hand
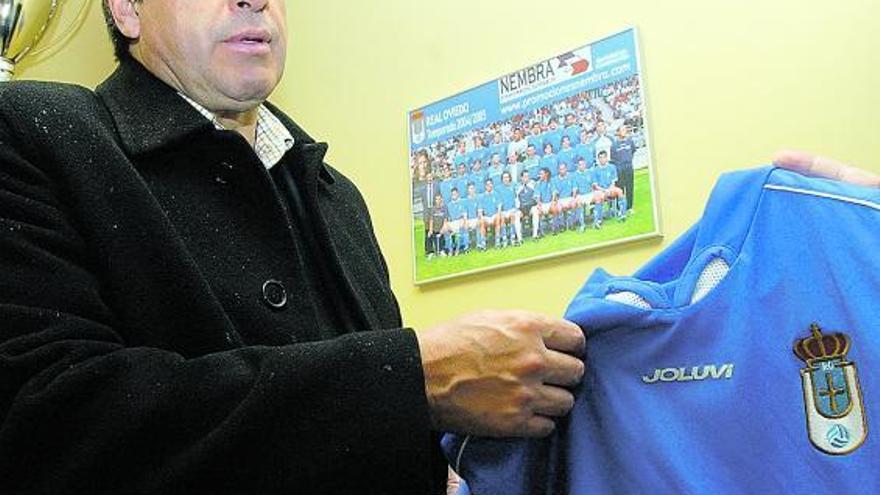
x,y
501,373
820,166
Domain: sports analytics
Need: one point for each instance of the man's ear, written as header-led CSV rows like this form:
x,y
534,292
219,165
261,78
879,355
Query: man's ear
x,y
126,17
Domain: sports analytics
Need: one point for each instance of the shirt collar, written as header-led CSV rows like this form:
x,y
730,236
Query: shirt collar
x,y
272,139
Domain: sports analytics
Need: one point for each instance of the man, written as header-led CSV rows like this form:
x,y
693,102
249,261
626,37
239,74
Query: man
x,y
566,152
525,198
498,146
428,191
456,225
536,140
472,208
477,177
553,135
585,150
185,314
462,156
586,194
480,152
446,185
506,192
622,156
602,142
564,186
496,169
572,130
518,145
490,214
605,181
193,302
549,161
531,164
462,176
545,197
435,228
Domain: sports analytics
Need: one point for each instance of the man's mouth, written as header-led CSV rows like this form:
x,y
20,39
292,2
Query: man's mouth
x,y
250,40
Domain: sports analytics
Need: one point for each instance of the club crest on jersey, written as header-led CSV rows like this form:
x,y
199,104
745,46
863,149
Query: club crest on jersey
x,y
833,399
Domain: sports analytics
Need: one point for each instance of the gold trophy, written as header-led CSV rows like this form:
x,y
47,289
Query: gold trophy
x,y
22,23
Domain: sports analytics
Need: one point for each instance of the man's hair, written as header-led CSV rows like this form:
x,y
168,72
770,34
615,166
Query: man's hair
x,y
120,41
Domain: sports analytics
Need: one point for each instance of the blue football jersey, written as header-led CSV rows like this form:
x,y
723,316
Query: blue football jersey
x,y
583,181
506,195
564,186
566,156
550,162
585,151
606,175
544,190
538,143
744,358
489,202
471,205
574,134
553,137
456,209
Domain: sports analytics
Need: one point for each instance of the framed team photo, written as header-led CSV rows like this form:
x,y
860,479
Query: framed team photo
x,y
547,160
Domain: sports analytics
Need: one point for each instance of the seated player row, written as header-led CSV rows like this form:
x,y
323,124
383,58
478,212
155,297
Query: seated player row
x,y
561,200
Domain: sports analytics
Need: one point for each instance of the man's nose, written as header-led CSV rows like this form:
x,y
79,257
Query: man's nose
x,y
255,5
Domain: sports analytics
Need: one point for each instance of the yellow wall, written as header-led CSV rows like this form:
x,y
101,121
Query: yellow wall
x,y
727,83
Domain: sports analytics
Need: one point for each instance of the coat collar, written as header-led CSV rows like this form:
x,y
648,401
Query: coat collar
x,y
149,114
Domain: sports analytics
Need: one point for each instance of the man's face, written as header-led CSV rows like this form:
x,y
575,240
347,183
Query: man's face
x,y
563,170
530,151
603,159
471,191
621,132
600,128
227,55
462,170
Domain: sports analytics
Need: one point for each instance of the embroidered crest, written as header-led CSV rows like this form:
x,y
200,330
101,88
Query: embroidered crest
x,y
832,397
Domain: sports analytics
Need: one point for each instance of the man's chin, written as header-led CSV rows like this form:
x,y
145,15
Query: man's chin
x,y
247,95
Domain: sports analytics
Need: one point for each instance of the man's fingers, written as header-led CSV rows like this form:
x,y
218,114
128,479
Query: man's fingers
x,y
562,335
553,401
538,427
821,166
562,369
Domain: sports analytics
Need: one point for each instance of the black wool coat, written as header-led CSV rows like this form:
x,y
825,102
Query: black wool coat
x,y
146,345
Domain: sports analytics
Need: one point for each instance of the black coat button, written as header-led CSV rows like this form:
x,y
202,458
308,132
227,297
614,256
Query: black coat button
x,y
274,294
